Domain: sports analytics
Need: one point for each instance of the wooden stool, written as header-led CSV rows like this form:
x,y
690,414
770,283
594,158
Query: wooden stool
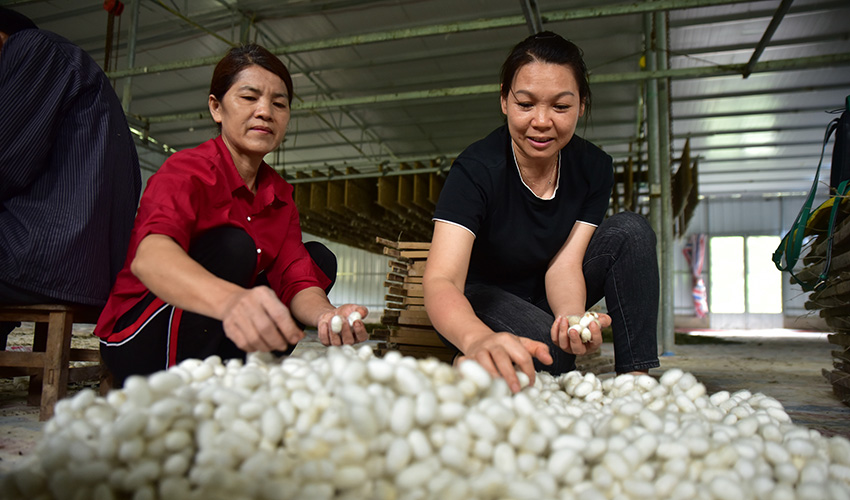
x,y
48,365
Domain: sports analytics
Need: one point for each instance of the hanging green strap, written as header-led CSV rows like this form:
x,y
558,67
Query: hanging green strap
x,y
792,243
840,193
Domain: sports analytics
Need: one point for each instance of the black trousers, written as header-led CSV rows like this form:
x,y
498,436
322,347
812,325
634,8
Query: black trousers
x,y
226,252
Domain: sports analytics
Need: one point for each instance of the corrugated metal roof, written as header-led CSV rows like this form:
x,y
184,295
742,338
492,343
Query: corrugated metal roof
x,y
381,83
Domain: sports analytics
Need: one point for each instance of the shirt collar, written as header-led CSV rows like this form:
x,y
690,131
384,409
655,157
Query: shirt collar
x,y
265,183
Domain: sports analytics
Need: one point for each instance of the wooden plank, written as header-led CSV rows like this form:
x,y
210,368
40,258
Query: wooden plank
x,y
396,290
414,245
415,254
395,277
435,185
391,252
415,336
414,314
360,196
421,352
388,193
419,318
405,188
842,355
393,298
416,268
414,301
22,359
415,280
839,323
386,242
420,193
318,193
842,311
839,339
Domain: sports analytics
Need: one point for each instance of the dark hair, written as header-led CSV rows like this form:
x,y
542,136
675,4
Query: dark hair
x,y
12,22
547,47
239,58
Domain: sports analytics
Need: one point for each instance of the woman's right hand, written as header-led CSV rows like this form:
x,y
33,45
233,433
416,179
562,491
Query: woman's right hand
x,y
499,352
256,320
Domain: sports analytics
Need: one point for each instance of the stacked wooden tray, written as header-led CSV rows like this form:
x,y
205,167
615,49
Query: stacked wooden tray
x,y
407,328
833,300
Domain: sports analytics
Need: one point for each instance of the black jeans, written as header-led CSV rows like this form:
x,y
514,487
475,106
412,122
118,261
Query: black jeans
x,y
620,265
226,252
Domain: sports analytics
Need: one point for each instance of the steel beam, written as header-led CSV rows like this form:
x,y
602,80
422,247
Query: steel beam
x,y
768,34
442,29
131,55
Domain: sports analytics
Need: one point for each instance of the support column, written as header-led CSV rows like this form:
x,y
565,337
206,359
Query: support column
x,y
667,241
653,152
131,56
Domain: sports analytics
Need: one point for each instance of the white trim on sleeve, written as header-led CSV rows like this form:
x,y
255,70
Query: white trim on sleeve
x,y
454,224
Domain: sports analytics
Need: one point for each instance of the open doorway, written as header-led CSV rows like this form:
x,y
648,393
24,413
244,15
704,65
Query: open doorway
x,y
745,288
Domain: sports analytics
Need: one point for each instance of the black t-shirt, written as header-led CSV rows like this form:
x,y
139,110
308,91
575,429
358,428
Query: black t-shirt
x,y
516,233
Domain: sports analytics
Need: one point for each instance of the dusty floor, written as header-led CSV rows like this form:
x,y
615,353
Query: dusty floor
x,y
784,364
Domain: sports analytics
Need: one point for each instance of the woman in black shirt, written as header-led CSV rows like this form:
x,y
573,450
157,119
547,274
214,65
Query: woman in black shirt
x,y
519,239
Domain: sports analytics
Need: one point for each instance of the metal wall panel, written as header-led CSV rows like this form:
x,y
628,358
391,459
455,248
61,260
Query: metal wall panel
x,y
360,277
740,217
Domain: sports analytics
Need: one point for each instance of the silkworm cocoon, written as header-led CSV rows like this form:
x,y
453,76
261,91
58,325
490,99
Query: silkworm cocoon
x,y
336,324
523,405
349,476
164,382
504,458
786,472
379,370
481,426
473,371
671,377
839,449
586,335
583,389
685,404
408,381
355,316
177,440
524,381
616,465
451,456
420,446
414,476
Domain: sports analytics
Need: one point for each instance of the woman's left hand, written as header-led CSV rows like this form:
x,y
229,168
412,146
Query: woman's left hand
x,y
570,340
350,333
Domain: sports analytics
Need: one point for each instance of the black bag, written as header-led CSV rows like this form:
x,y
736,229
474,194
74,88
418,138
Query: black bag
x,y
841,149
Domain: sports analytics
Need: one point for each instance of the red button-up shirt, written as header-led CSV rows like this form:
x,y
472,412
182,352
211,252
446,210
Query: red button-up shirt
x,y
199,189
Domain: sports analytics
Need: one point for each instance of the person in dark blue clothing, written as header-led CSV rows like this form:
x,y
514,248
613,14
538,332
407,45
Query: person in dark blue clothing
x,y
69,171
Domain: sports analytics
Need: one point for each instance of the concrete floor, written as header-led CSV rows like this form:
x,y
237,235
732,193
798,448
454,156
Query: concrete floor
x,y
784,364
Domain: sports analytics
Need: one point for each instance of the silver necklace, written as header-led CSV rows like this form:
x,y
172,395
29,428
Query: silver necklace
x,y
551,175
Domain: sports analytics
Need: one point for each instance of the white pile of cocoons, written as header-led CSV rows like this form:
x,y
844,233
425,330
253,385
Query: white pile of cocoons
x,y
347,424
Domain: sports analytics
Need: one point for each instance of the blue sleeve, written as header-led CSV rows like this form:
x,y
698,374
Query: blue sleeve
x,y
36,83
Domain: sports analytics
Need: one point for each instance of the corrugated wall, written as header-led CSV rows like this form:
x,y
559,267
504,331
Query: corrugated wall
x,y
740,217
360,277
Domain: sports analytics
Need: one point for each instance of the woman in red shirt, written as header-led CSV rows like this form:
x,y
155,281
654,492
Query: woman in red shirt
x,y
216,265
